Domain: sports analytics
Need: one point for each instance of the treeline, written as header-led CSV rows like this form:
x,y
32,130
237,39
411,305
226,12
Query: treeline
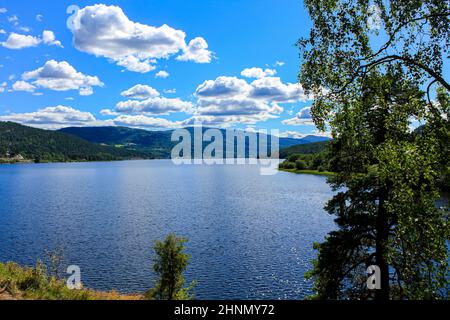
x,y
18,142
318,161
310,148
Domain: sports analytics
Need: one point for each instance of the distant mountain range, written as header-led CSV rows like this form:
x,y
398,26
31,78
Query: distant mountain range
x,y
98,143
158,143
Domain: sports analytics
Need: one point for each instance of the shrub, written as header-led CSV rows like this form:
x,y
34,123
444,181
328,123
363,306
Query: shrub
x,y
300,165
170,263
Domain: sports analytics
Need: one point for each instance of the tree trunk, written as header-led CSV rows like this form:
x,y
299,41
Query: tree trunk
x,y
382,227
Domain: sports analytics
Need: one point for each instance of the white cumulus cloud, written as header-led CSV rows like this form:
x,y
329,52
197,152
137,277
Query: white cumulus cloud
x,y
61,76
3,86
51,117
144,122
140,91
20,41
223,87
154,106
302,118
258,73
233,100
23,86
162,74
48,37
107,32
196,51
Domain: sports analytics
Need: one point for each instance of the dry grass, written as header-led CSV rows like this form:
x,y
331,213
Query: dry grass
x,y
33,283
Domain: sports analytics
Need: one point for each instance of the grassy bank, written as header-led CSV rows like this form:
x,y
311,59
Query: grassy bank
x,y
34,283
315,172
13,161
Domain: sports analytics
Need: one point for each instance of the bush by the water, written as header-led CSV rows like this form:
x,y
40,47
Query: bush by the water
x,y
35,283
300,162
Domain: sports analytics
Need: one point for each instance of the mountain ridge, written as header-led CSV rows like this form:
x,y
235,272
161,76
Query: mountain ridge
x,y
20,143
158,142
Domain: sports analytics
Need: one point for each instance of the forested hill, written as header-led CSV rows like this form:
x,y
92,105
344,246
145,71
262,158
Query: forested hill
x,y
157,143
310,148
18,141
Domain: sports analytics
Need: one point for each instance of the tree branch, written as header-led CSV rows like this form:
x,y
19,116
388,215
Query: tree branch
x,y
399,28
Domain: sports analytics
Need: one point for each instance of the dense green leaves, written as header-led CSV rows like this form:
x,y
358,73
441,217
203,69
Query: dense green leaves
x,y
350,39
310,148
372,67
387,213
315,161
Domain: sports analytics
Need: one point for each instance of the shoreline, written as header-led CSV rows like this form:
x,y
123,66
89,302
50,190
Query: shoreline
x,y
313,172
19,282
24,162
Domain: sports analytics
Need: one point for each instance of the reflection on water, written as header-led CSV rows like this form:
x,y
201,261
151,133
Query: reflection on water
x,y
251,236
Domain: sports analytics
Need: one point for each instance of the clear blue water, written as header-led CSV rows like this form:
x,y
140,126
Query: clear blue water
x,y
251,236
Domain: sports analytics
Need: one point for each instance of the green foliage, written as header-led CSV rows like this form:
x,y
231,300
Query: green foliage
x,y
158,144
307,162
310,148
339,51
52,146
300,165
387,213
170,263
155,144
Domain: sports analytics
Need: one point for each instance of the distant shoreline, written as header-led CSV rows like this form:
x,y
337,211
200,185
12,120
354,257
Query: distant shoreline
x,y
24,162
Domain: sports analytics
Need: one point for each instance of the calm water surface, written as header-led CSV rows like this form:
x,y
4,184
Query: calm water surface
x,y
251,236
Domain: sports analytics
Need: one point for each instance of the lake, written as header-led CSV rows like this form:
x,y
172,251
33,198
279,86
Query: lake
x,y
250,236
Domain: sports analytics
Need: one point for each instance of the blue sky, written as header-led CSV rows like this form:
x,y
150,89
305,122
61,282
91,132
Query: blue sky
x,y
235,35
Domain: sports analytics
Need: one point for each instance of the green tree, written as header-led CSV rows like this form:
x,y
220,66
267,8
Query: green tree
x,y
300,165
170,263
368,96
340,52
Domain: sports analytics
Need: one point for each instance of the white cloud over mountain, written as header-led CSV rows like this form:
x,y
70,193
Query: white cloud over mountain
x,y
234,100
154,106
106,31
222,102
63,116
145,100
61,76
51,117
145,122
